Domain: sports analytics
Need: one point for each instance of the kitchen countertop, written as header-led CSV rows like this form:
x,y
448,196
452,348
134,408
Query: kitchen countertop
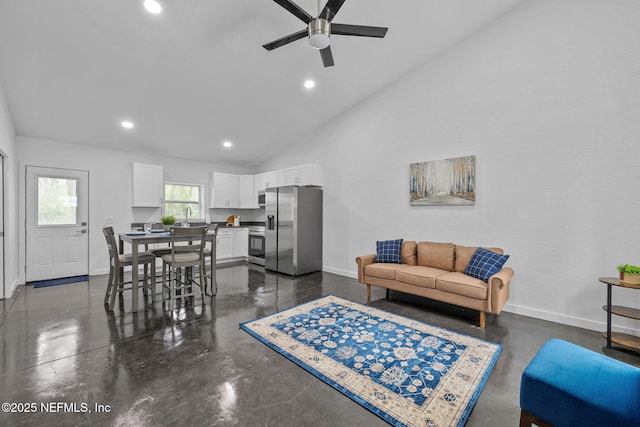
x,y
138,226
243,224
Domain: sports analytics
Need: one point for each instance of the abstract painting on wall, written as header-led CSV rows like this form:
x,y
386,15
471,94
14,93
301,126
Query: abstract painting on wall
x,y
443,182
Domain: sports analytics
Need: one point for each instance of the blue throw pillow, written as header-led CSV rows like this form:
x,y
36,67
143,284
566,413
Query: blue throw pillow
x,y
388,251
484,264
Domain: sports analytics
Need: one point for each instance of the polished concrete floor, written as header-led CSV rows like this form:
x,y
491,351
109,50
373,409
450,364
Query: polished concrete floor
x,y
60,348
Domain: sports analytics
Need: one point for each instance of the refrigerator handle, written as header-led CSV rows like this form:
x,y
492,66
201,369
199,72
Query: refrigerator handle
x,y
270,222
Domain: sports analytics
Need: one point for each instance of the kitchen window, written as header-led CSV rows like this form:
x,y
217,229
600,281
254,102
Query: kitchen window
x,y
179,197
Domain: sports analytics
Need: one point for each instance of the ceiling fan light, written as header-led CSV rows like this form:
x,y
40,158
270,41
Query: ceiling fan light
x,y
319,33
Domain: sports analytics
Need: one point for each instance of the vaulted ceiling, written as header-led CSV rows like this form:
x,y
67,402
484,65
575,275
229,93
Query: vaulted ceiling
x,y
197,74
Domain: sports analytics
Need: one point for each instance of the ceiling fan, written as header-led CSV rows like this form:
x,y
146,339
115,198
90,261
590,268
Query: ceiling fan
x,y
320,28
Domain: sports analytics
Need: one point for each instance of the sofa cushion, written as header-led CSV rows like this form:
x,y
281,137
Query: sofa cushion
x,y
485,263
419,276
381,270
461,284
436,255
464,254
388,251
408,252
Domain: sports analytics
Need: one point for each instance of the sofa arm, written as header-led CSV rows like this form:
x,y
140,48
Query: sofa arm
x,y
363,261
501,278
499,289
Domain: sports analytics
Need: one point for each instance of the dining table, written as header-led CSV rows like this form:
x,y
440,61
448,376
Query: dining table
x,y
142,239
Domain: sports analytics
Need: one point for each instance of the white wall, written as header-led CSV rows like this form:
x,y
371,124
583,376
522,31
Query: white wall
x,y
7,149
548,99
109,186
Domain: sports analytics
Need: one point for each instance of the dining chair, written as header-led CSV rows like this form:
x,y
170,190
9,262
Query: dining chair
x,y
117,262
187,251
211,275
208,249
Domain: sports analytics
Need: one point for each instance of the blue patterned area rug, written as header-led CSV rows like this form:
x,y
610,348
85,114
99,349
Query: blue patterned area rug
x,y
406,372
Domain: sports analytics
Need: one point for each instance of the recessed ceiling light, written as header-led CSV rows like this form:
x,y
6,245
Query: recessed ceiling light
x,y
227,144
127,124
152,6
309,84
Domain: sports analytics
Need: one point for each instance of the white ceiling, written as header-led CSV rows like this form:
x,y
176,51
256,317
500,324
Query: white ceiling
x,y
197,74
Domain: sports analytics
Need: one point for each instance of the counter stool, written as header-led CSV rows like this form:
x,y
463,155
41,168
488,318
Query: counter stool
x,y
187,251
213,228
117,262
207,250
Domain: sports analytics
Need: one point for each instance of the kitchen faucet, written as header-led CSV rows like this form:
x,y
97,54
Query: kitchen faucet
x,y
187,212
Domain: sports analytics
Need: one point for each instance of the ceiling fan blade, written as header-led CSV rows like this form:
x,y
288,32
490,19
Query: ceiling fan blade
x,y
286,40
358,30
295,10
327,57
330,9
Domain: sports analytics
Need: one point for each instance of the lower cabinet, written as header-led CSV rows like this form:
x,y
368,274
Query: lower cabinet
x,y
224,242
232,243
241,242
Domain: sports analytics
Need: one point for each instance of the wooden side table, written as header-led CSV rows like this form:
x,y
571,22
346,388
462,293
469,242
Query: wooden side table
x,y
625,340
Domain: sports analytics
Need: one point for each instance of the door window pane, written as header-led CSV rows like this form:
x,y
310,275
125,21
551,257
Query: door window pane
x,y
57,201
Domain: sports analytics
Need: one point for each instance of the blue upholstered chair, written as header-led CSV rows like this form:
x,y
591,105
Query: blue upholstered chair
x,y
567,385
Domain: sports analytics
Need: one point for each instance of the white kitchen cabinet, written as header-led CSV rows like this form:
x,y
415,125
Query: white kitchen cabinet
x,y
224,241
147,186
232,191
241,191
232,243
259,181
224,190
241,242
269,179
279,179
246,197
291,176
308,174
264,180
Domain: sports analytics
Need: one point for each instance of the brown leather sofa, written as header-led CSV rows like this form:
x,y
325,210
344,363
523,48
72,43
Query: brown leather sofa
x,y
436,271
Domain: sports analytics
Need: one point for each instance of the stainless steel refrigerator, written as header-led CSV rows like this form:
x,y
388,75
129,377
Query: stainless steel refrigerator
x,y
293,235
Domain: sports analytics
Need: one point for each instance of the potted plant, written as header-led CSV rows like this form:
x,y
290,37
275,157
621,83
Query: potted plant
x,y
629,274
167,222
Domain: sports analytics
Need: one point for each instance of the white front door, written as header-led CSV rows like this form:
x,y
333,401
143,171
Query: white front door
x,y
57,214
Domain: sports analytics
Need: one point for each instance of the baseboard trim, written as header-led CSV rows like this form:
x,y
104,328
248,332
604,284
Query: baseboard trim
x,y
230,260
99,272
340,272
578,322
11,290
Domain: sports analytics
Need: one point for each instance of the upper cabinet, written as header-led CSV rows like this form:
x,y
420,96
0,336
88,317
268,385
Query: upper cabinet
x,y
241,191
246,196
232,191
268,180
224,190
309,174
148,186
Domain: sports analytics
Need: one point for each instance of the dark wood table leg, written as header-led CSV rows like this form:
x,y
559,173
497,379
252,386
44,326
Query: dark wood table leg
x,y
608,316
